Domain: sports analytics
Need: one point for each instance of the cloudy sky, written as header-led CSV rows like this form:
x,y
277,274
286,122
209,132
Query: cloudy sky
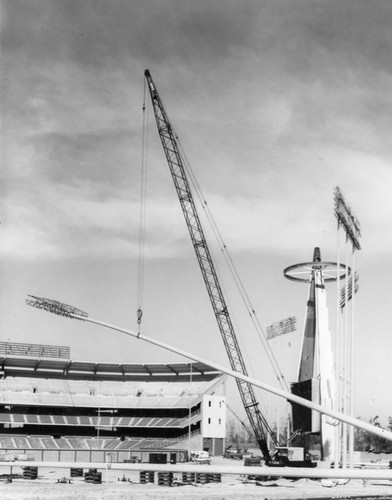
x,y
276,102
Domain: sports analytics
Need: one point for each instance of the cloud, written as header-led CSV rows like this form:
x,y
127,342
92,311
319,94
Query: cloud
x,y
275,102
73,222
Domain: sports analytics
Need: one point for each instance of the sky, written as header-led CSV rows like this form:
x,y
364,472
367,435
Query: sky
x,y
275,102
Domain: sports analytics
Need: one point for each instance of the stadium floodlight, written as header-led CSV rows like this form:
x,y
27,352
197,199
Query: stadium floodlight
x,y
347,219
72,312
349,291
282,327
56,307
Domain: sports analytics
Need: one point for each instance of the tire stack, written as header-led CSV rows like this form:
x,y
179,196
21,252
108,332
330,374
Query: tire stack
x,y
98,478
188,477
92,476
214,478
30,473
201,478
165,478
76,472
146,477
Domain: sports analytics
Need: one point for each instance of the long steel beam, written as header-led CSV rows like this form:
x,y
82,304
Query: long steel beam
x,y
315,473
274,390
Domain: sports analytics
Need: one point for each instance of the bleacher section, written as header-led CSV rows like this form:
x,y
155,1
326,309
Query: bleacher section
x,y
94,421
114,394
74,443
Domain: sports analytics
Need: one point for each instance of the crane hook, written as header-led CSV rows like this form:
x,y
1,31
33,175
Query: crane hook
x,y
139,318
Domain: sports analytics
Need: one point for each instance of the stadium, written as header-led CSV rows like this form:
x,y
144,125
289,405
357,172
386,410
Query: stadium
x,y
55,409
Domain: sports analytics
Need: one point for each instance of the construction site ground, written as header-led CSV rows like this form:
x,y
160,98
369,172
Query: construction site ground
x,y
56,484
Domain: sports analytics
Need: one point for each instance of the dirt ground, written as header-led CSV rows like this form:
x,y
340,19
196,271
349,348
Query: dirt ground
x,y
117,485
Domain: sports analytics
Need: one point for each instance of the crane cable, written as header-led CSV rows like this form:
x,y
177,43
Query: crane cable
x,y
239,283
235,275
142,217
112,71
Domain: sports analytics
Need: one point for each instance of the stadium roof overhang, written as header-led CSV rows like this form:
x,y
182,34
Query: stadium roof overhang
x,y
50,368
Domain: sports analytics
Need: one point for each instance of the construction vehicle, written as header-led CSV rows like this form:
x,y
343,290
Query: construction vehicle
x,y
233,453
200,457
177,166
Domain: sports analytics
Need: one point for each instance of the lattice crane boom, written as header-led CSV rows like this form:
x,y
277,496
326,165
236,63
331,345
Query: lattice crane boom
x,y
177,169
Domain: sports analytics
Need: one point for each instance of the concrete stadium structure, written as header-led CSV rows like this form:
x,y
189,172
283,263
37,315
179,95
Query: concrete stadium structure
x,y
55,409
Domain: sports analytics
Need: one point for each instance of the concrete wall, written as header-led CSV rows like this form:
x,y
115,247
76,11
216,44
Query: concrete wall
x,y
214,417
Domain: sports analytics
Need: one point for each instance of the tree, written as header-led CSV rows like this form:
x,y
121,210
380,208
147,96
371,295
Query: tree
x,y
364,441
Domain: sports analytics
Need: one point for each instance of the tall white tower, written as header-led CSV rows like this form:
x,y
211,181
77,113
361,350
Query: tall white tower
x,y
316,374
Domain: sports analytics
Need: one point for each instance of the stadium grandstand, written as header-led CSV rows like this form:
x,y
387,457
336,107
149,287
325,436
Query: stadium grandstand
x,y
52,408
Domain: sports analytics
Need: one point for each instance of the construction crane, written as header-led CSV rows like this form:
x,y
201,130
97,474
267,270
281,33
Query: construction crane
x,y
176,164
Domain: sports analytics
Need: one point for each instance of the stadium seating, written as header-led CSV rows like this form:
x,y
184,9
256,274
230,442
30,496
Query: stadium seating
x,y
31,418
27,443
21,442
102,421
115,389
83,420
63,443
7,442
51,413
59,419
48,442
35,443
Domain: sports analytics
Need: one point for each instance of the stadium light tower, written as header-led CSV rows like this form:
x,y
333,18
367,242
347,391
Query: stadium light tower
x,y
345,217
68,311
345,341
